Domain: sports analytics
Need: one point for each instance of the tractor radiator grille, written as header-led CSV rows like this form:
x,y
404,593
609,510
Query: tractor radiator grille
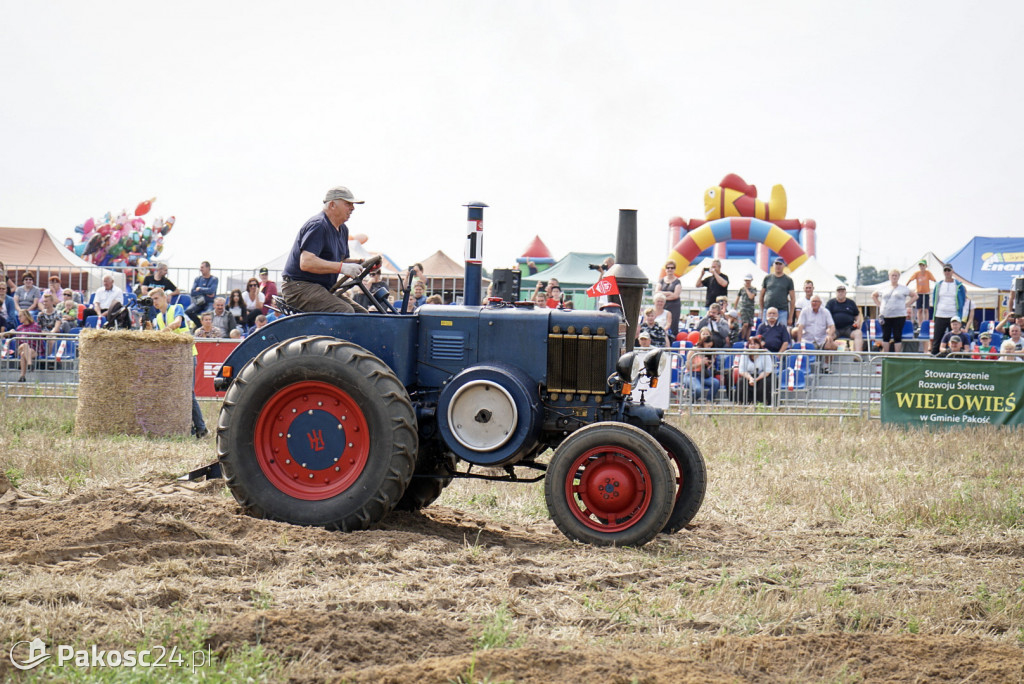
x,y
447,346
577,363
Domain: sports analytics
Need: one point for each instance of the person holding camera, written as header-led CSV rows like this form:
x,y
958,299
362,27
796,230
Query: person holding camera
x,y
717,325
717,283
319,254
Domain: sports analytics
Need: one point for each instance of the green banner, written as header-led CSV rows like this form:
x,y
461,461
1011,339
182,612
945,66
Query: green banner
x,y
927,391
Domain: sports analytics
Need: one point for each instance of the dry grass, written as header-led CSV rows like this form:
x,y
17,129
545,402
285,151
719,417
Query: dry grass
x,y
808,529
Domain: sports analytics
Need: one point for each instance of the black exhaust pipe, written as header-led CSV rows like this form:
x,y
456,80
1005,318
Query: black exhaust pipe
x,y
631,280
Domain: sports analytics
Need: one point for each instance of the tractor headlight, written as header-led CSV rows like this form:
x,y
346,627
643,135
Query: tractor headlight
x,y
655,363
629,366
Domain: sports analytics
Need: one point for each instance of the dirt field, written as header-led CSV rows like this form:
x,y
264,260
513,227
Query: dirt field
x,y
767,585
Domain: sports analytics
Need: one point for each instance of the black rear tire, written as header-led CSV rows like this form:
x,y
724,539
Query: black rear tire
x,y
691,475
610,484
347,405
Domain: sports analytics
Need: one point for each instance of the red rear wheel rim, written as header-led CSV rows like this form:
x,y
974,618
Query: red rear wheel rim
x,y
608,489
311,440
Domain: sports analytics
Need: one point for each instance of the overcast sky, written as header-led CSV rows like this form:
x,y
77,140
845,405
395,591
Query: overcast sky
x,y
895,125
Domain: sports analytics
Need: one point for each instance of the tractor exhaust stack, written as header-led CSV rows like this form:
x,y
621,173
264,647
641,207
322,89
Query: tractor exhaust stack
x,y
631,280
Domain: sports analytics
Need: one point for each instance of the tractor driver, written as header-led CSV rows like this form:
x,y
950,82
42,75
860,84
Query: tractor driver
x,y
319,254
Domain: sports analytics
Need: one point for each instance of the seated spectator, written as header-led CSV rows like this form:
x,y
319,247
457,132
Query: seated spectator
x,y
104,297
253,301
775,334
732,317
1009,351
1008,320
26,297
419,294
1015,337
984,348
554,296
223,320
268,288
662,316
207,330
236,307
846,316
203,292
955,349
435,299
70,309
755,371
643,339
260,321
816,326
701,369
159,279
8,311
540,298
657,334
955,330
51,320
716,325
55,289
692,319
30,347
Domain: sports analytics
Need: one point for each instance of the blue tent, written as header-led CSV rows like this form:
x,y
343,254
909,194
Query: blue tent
x,y
990,261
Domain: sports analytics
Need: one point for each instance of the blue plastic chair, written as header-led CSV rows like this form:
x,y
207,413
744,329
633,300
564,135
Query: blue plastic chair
x,y
908,330
794,379
184,299
70,351
90,321
926,328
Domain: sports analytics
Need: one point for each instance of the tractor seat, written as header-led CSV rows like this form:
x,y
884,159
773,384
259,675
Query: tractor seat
x,y
281,308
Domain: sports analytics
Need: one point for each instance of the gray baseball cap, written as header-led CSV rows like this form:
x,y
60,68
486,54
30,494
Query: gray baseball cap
x,y
341,193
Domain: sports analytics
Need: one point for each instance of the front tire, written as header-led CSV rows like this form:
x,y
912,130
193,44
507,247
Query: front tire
x,y
317,431
691,476
610,484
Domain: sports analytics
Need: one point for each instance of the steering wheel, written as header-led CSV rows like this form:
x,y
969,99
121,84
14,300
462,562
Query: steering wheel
x,y
369,265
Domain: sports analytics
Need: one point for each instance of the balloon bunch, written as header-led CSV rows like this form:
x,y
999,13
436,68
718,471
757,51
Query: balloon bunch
x,y
121,241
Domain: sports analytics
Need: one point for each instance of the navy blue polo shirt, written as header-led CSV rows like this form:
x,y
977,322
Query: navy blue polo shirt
x,y
320,238
774,336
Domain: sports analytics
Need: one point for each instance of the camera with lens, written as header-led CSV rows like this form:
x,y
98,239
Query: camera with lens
x,y
596,267
145,301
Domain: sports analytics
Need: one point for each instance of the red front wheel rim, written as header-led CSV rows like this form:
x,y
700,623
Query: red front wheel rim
x,y
608,489
311,440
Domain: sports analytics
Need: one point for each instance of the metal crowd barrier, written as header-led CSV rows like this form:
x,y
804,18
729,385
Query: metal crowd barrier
x,y
53,374
805,382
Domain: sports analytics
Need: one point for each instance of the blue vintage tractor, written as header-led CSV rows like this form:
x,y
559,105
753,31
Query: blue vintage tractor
x,y
337,419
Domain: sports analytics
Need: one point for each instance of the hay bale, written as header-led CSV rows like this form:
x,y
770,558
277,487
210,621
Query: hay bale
x,y
134,382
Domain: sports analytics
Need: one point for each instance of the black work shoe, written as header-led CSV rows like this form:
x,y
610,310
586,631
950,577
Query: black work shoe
x,y
22,379
202,432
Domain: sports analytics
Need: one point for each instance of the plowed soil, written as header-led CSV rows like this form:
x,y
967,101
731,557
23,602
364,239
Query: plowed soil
x,y
412,599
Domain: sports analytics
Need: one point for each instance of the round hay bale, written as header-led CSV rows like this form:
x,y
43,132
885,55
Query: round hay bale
x,y
134,382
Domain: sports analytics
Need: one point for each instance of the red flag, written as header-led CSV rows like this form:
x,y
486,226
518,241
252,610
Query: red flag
x,y
604,286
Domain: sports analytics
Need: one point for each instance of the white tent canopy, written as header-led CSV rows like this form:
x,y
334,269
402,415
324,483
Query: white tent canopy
x,y
825,282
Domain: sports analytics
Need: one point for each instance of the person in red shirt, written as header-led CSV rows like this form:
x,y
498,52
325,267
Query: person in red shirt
x,y
268,288
984,348
923,280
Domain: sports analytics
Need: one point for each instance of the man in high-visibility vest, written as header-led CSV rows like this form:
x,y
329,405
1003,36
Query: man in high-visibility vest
x,y
172,317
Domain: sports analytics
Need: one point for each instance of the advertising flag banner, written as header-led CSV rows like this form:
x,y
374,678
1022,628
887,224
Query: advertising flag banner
x,y
603,287
946,392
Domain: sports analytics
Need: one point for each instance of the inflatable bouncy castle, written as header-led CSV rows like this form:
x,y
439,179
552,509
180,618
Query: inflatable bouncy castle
x,y
737,225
